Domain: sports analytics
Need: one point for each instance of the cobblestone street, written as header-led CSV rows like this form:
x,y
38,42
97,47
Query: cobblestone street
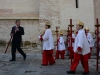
x,y
32,66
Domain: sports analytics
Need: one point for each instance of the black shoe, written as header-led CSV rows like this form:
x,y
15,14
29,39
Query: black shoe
x,y
12,60
44,64
70,72
85,73
56,58
24,57
52,63
99,72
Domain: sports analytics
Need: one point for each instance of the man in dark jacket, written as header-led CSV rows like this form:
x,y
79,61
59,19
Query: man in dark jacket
x,y
17,32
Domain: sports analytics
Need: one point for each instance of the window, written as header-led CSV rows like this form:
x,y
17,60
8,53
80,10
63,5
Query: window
x,y
77,4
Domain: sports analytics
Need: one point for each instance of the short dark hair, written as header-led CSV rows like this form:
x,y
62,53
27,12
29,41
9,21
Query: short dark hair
x,y
48,26
17,21
81,26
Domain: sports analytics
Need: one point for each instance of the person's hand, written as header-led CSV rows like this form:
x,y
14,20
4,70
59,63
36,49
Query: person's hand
x,y
12,34
76,51
17,29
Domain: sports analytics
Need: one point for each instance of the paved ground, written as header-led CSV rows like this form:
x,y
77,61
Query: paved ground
x,y
32,66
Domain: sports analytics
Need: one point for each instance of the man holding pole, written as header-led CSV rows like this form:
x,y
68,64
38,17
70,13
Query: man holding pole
x,y
81,50
17,32
48,46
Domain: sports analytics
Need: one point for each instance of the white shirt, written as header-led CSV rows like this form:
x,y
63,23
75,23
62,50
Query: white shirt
x,y
90,39
61,44
81,41
48,43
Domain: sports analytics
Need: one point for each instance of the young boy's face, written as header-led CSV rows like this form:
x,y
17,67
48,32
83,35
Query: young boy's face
x,y
78,27
87,31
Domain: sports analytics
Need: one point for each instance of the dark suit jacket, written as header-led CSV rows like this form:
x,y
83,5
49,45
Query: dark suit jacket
x,y
17,37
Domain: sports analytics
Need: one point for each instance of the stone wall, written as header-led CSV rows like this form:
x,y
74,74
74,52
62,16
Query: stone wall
x,y
30,41
97,9
30,27
34,14
84,12
49,10
19,9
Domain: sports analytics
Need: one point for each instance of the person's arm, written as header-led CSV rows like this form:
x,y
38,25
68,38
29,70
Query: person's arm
x,y
90,38
46,35
12,31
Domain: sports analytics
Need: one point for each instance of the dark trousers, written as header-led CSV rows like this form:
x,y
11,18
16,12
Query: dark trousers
x,y
13,50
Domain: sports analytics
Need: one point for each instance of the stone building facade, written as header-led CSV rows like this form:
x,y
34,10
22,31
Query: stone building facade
x,y
34,13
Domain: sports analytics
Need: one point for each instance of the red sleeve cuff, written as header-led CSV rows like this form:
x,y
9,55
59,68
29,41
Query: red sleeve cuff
x,y
58,40
41,38
79,48
73,40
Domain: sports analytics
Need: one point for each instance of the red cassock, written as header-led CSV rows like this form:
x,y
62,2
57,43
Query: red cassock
x,y
48,46
82,58
47,57
70,49
60,50
61,53
81,50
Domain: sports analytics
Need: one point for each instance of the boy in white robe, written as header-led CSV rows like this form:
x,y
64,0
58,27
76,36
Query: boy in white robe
x,y
90,40
61,47
48,46
81,50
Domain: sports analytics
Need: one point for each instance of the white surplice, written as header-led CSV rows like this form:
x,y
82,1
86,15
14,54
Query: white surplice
x,y
90,39
81,41
48,43
61,44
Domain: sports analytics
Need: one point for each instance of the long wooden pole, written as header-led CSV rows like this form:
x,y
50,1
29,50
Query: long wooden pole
x,y
57,36
71,37
10,40
8,43
67,39
97,44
